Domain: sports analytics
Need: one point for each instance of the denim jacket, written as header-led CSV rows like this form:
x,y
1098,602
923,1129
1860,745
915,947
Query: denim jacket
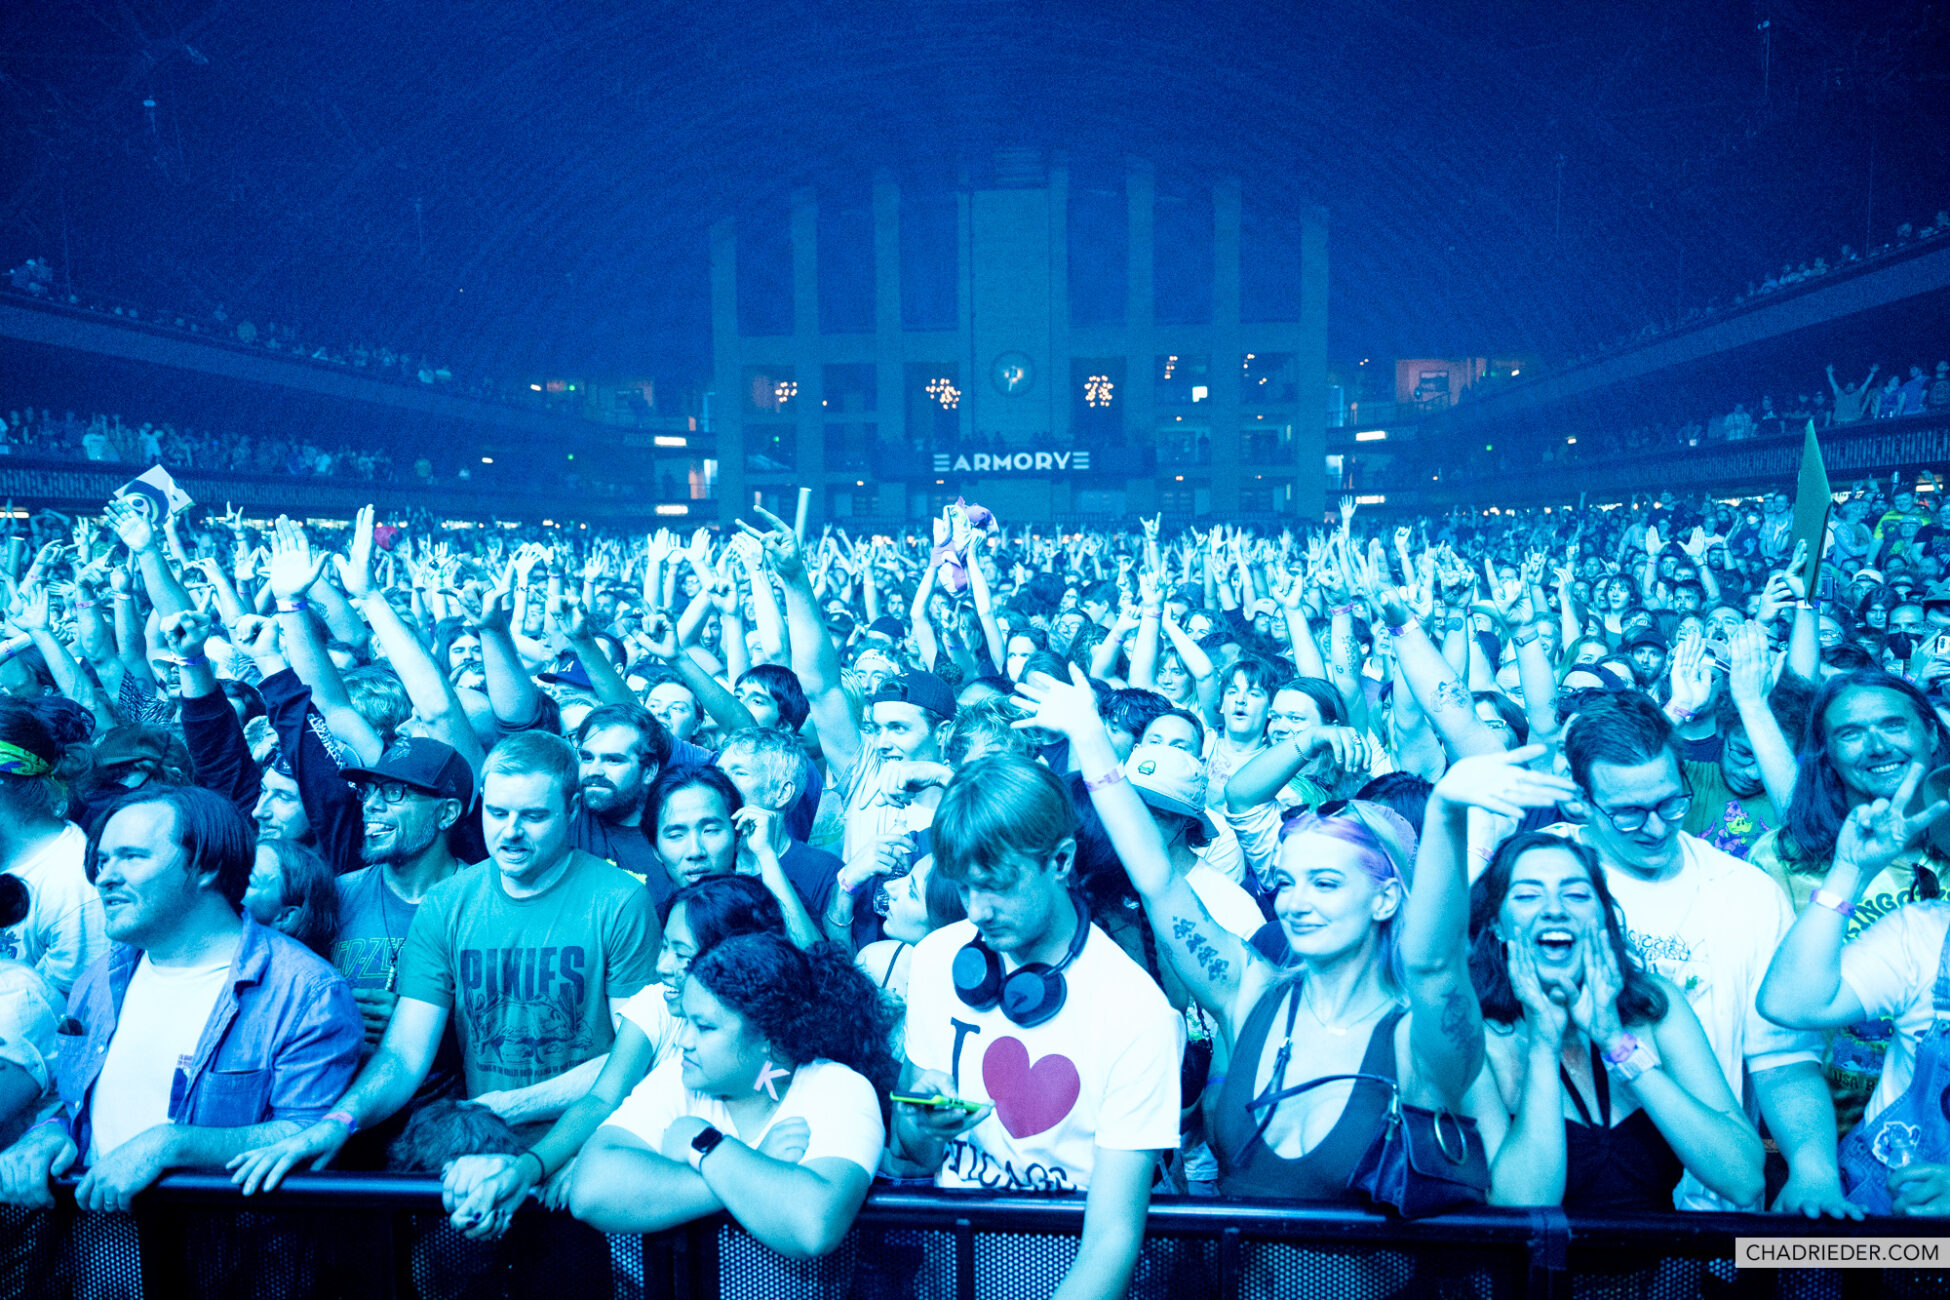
x,y
282,1041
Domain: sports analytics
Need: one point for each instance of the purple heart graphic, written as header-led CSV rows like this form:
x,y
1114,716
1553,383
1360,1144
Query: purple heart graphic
x,y
1029,1099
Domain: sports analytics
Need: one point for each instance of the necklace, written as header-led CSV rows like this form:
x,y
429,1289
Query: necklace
x,y
1342,1030
393,945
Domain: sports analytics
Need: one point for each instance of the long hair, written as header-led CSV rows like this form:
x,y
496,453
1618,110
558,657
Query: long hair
x,y
1385,846
1640,999
811,1006
1821,802
310,887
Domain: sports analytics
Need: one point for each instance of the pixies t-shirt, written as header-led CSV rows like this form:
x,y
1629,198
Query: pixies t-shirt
x,y
529,980
1102,1073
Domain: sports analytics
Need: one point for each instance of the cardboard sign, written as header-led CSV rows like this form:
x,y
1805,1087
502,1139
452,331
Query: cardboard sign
x,y
1812,498
155,495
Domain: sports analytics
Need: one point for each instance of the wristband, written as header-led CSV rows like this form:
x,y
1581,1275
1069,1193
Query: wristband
x,y
1833,902
1682,715
343,1117
293,606
1523,639
541,1170
1631,1059
124,595
1104,781
1341,609
191,661
1398,629
84,604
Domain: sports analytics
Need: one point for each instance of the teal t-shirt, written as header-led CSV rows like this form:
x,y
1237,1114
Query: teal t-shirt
x,y
528,980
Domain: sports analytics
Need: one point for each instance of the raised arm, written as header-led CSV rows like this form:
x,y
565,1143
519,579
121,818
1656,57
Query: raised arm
x,y
1211,959
814,660
294,570
1749,681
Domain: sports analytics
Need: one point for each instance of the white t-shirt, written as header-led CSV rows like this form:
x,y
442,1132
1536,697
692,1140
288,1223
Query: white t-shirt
x,y
1890,966
163,1015
649,1010
837,1103
62,935
1103,1072
1232,907
1712,929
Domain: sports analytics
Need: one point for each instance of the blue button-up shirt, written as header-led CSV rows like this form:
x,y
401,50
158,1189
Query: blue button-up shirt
x,y
282,1041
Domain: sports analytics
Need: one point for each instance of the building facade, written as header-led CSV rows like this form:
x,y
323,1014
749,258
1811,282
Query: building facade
x,y
997,387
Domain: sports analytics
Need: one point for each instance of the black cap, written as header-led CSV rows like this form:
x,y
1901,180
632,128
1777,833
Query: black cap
x,y
923,690
427,765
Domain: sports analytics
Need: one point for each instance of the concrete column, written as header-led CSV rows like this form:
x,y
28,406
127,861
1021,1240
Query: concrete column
x,y
1310,361
808,355
1140,320
727,367
890,403
965,308
1057,351
1226,374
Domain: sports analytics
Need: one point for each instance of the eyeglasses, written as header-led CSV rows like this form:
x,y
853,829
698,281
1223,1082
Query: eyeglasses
x,y
391,793
1629,819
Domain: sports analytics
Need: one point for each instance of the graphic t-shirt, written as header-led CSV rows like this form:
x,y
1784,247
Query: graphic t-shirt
x,y
62,934
529,979
161,1021
1854,1057
838,1105
373,924
1103,1072
1729,822
1891,967
1712,929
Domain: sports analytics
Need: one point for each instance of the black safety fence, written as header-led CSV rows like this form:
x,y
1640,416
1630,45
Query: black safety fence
x,y
381,1236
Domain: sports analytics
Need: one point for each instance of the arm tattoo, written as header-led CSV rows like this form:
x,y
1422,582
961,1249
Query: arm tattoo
x,y
1455,1017
1186,931
1448,694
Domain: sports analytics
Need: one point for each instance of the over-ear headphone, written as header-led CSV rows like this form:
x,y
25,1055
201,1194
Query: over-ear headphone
x,y
1027,995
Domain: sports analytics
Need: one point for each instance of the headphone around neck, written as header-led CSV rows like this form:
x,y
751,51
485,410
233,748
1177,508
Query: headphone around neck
x,y
1028,995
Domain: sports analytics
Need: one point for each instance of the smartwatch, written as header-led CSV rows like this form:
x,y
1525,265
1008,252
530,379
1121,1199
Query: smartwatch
x,y
704,1144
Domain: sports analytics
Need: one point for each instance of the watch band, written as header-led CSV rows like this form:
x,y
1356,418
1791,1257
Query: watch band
x,y
1834,902
704,1144
1631,1058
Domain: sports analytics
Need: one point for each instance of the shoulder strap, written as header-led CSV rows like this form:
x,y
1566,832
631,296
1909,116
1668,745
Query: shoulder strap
x,y
1267,1099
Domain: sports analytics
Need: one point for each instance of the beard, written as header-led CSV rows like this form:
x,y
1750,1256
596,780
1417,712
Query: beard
x,y
397,848
605,802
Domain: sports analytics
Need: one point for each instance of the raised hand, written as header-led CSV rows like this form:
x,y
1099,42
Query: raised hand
x,y
782,549
1692,675
355,568
1067,708
1750,674
1501,783
129,525
294,567
184,634
660,634
1876,834
1544,1011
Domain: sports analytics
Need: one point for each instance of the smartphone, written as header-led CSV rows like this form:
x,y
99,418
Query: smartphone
x,y
936,1103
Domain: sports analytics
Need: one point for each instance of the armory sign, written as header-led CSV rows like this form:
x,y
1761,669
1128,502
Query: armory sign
x,y
1007,462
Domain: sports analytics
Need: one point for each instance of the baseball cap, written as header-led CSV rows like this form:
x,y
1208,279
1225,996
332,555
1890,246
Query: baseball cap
x,y
1647,638
427,765
568,671
888,626
135,743
1868,575
923,690
1937,593
1171,780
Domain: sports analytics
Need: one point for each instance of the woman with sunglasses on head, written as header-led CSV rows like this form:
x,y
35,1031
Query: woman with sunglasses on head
x,y
1601,1089
770,1111
1376,979
479,1188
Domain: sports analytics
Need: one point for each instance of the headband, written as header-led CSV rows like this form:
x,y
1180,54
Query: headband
x,y
15,761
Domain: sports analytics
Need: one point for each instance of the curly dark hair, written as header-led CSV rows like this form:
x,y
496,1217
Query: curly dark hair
x,y
1640,999
814,1005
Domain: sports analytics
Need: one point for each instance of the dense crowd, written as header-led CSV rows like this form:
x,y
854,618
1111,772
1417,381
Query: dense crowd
x,y
35,279
652,877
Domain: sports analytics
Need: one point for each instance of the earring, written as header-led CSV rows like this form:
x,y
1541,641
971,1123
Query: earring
x,y
768,1077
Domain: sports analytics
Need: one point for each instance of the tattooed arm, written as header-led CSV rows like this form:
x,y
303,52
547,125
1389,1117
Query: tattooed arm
x,y
1210,959
1445,1023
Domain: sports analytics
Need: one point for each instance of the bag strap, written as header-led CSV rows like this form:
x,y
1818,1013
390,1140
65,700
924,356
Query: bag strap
x,y
1273,1099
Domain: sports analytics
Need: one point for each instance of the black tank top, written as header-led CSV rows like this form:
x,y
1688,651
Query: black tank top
x,y
1247,1166
1627,1166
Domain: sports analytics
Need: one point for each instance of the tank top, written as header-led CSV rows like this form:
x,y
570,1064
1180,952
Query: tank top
x,y
1622,1167
1249,1167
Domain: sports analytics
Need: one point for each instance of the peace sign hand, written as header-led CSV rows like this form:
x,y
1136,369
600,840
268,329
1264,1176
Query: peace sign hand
x,y
1876,834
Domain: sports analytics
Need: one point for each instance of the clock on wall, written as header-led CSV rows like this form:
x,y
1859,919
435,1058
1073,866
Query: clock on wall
x,y
1013,374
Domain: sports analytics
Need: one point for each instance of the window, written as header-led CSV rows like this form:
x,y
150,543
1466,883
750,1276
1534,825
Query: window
x,y
771,447
770,391
1097,400
846,292
930,266
933,395
1267,379
765,271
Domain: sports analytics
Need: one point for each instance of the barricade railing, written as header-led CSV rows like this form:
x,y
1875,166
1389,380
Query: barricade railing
x,y
386,1235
